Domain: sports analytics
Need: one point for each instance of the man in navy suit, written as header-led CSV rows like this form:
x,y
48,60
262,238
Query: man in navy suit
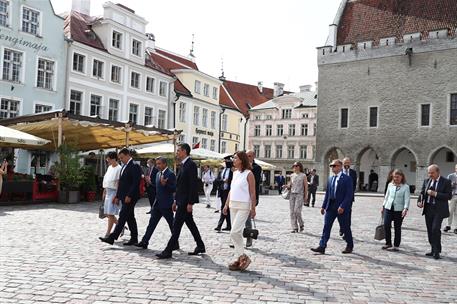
x,y
435,193
150,182
353,174
337,204
165,183
128,193
186,196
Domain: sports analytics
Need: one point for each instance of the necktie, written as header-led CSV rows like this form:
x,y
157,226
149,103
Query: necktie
x,y
431,199
332,188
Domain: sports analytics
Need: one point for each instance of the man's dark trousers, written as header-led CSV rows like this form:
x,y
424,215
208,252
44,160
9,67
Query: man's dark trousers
x,y
343,219
181,217
433,221
224,196
156,214
127,215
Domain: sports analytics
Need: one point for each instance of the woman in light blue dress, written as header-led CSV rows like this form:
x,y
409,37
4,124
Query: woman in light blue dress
x,y
110,182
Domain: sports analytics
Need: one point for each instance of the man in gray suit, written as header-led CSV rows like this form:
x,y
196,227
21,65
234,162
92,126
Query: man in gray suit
x,y
453,202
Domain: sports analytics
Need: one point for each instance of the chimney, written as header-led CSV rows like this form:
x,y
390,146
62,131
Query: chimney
x,y
260,86
81,6
278,89
305,88
333,29
150,41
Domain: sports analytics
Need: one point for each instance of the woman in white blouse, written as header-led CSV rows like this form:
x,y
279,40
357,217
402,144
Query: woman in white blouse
x,y
110,182
3,169
242,201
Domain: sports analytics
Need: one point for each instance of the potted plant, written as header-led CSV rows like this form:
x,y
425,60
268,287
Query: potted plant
x,y
90,185
69,175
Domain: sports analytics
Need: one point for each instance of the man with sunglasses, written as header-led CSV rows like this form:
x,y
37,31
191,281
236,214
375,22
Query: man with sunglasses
x,y
336,205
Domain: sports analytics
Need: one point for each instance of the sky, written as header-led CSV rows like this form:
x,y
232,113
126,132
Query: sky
x,y
257,40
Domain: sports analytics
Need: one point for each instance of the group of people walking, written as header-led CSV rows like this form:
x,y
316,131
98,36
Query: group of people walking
x,y
173,197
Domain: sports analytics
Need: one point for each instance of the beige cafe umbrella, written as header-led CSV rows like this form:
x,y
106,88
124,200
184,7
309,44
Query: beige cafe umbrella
x,y
18,139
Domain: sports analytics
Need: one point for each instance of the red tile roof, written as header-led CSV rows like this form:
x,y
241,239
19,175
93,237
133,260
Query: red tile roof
x,y
77,27
244,95
365,20
179,59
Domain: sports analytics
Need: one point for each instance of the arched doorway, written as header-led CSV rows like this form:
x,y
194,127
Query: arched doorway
x,y
446,159
333,153
368,160
405,160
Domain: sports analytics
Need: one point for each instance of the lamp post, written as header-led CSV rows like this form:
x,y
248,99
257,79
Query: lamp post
x,y
220,127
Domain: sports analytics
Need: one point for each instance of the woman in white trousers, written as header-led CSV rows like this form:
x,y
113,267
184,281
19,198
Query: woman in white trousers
x,y
242,201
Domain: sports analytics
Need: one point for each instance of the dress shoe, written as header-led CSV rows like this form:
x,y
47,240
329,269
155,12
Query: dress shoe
x,y
141,245
447,228
294,231
430,254
218,229
385,247
163,255
197,251
227,229
235,266
107,240
232,246
436,256
130,243
244,262
347,250
302,228
216,211
208,206
318,250
395,249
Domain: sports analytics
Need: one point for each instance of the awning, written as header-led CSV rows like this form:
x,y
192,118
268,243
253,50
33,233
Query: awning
x,y
17,139
265,165
86,133
165,149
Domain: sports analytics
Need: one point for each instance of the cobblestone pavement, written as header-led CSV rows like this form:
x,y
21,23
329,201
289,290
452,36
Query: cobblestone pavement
x,y
50,253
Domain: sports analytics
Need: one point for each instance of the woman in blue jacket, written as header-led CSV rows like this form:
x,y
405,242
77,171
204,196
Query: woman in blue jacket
x,y
395,208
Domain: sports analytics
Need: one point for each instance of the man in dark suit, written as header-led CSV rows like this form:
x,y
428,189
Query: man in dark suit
x,y
353,174
435,193
128,193
313,183
165,183
337,204
280,181
186,196
257,171
224,179
150,183
372,178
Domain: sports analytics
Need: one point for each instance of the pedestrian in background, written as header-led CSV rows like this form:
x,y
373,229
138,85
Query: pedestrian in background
x,y
313,183
207,180
150,183
452,203
242,203
224,181
110,184
395,208
389,180
257,171
298,187
3,171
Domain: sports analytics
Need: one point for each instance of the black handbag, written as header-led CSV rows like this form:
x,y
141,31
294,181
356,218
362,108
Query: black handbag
x,y
252,233
101,211
380,233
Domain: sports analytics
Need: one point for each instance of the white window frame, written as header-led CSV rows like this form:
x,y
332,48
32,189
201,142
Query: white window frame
x,y
121,44
84,72
138,114
196,115
164,118
204,143
103,70
289,129
20,100
340,117
40,20
265,150
139,79
223,146
268,131
197,88
215,93
101,104
206,89
166,88
276,151
9,14
224,122
54,78
448,108
182,111
40,103
205,117
83,95
212,144
377,117
257,130
140,55
429,115
111,74
306,151
213,120
118,107
21,71
152,116
154,81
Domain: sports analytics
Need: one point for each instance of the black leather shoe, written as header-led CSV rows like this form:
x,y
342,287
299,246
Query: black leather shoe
x,y
446,229
107,240
429,254
227,229
436,256
176,247
141,245
341,233
130,243
197,251
318,250
232,246
218,229
163,255
347,250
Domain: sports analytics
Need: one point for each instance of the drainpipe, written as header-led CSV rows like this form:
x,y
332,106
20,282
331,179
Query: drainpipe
x,y
67,76
245,133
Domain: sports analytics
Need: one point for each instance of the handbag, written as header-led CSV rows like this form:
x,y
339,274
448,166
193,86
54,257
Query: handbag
x,y
252,233
101,212
380,233
285,194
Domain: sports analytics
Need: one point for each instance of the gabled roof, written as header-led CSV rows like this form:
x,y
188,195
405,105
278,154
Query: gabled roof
x,y
245,96
180,60
78,27
365,20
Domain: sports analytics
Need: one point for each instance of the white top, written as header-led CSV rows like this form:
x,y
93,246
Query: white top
x,y
239,189
111,178
208,177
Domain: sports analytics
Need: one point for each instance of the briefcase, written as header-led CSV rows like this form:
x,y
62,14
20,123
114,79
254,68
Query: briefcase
x,y
380,233
101,211
252,233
